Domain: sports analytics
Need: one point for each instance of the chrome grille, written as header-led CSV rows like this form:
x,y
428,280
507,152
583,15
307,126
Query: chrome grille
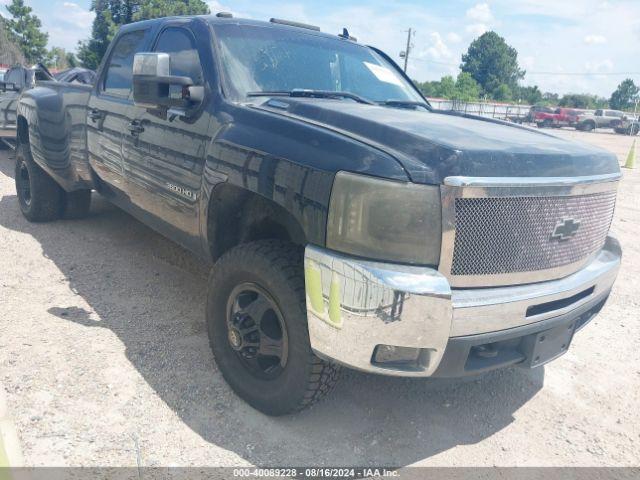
x,y
502,235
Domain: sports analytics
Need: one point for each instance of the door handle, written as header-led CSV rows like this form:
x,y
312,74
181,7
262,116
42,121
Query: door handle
x,y
136,128
96,115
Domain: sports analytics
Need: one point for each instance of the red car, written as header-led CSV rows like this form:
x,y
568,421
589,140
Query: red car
x,y
560,117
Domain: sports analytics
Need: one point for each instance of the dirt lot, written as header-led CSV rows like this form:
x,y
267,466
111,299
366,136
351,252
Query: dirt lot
x,y
104,360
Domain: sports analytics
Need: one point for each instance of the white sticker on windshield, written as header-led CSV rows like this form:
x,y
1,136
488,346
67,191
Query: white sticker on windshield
x,y
383,74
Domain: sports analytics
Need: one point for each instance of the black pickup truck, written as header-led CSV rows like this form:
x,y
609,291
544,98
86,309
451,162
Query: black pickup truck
x,y
347,222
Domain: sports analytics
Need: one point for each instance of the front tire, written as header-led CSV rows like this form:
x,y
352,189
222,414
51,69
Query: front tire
x,y
39,196
257,326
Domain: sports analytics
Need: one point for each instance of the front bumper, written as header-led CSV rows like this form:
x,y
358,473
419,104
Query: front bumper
x,y
361,312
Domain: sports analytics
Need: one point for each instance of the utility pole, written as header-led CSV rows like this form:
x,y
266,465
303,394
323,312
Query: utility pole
x,y
405,54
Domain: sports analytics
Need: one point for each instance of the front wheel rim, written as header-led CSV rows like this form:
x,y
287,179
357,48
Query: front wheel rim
x,y
256,331
24,184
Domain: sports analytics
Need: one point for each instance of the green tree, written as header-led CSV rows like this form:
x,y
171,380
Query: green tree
x,y
550,98
23,29
625,95
72,60
582,100
492,63
430,88
503,93
58,58
112,14
529,95
166,8
447,87
466,88
91,51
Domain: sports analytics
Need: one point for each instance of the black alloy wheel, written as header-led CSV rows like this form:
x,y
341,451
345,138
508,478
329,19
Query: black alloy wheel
x,y
256,331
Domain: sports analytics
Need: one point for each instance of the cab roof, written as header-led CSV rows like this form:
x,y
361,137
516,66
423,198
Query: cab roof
x,y
223,19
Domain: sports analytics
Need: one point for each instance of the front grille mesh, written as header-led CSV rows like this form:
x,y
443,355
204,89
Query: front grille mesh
x,y
501,235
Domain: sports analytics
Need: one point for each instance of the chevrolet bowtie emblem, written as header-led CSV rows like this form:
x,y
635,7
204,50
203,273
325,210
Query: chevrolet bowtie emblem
x,y
565,229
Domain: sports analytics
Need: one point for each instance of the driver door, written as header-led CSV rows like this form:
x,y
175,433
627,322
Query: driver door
x,y
164,155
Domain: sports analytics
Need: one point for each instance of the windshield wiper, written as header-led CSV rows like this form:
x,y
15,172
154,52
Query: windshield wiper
x,y
307,93
406,104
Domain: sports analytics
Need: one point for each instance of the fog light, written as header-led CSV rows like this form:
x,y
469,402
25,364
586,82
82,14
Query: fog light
x,y
403,358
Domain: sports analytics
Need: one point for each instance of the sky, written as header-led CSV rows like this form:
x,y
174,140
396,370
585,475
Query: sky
x,y
566,46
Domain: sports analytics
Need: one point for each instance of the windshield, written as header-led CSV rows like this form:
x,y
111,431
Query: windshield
x,y
258,59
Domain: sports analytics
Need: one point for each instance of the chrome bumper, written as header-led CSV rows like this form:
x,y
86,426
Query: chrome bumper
x,y
355,305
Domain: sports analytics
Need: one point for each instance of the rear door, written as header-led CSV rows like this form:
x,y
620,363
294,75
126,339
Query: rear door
x,y
164,155
108,105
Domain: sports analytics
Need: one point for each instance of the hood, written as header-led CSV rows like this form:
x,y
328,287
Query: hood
x,y
434,145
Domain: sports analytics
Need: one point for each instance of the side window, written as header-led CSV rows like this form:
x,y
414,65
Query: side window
x,y
119,75
181,47
598,113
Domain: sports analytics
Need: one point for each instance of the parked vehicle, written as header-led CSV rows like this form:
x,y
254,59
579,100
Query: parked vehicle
x,y
16,80
531,116
627,125
599,119
560,117
77,75
20,78
348,222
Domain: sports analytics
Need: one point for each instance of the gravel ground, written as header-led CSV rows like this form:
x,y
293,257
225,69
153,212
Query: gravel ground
x,y
105,361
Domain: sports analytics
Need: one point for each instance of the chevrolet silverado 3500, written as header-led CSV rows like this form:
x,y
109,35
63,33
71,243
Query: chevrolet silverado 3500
x,y
347,222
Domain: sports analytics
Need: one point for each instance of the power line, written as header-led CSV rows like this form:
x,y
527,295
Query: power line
x,y
583,73
534,72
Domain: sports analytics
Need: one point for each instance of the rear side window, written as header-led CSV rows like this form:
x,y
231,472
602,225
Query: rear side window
x,y
118,79
180,44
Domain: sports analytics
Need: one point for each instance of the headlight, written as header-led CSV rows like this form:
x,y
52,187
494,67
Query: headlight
x,y
385,220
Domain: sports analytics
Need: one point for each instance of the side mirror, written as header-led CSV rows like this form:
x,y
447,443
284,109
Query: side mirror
x,y
155,88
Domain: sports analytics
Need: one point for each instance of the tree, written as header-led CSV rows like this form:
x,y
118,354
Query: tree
x,y
625,95
550,98
23,29
59,59
528,95
466,88
582,100
112,14
447,87
492,63
503,93
162,8
90,52
429,89
72,60
10,53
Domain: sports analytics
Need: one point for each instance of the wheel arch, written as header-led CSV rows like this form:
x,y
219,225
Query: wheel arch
x,y
235,216
22,132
